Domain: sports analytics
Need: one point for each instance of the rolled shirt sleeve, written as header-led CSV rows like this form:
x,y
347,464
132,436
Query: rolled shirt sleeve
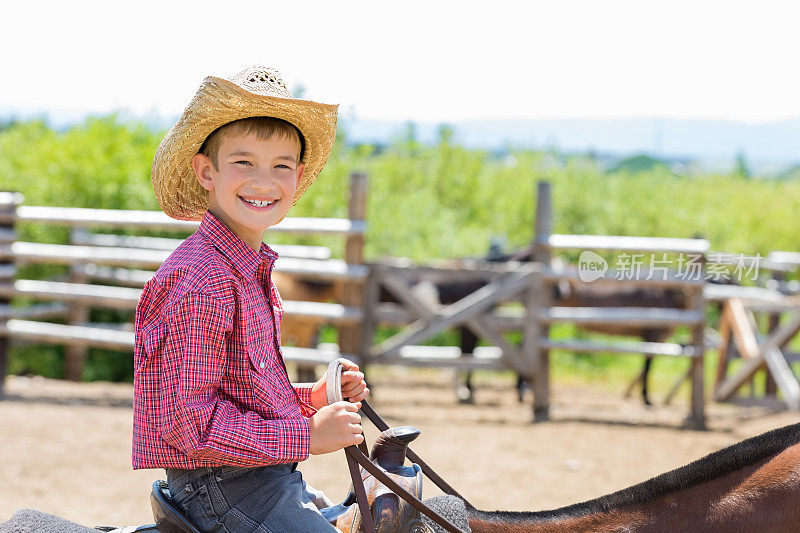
x,y
303,390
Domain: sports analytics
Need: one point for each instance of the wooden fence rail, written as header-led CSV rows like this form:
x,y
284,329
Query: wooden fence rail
x,y
79,217
691,284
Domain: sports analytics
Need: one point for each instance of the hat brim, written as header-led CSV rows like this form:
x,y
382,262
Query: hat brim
x,y
218,102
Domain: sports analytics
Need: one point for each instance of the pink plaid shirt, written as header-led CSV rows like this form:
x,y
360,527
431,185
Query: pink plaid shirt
x,y
210,385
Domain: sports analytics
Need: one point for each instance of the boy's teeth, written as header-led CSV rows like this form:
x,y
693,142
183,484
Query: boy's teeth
x,y
258,203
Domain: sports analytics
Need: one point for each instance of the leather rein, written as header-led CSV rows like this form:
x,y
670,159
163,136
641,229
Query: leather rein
x,y
359,455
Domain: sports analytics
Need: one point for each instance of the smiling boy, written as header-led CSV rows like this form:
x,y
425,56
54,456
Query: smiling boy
x,y
251,182
213,404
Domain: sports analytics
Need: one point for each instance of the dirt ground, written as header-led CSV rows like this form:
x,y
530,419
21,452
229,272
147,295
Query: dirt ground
x,y
66,446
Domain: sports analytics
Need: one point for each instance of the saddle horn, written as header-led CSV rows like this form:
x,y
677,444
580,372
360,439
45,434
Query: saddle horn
x,y
390,447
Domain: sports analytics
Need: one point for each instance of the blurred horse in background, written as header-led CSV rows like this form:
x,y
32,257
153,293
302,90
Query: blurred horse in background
x,y
570,294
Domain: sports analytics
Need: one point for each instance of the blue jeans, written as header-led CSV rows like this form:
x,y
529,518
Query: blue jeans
x,y
230,499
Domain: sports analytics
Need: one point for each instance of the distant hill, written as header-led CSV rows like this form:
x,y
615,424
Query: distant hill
x,y
777,142
639,163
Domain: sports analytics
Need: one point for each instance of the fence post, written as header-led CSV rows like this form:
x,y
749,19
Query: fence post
x,y
773,322
350,336
698,417
544,224
540,250
369,307
75,355
539,357
9,201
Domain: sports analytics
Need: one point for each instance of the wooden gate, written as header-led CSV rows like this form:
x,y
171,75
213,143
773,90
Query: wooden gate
x,y
739,329
502,302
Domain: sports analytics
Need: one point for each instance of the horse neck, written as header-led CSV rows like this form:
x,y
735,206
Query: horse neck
x,y
762,496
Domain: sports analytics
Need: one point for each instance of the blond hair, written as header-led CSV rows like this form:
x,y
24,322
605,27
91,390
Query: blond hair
x,y
263,127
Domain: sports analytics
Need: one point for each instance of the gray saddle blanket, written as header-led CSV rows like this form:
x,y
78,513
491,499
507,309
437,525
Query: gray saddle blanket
x,y
33,521
451,509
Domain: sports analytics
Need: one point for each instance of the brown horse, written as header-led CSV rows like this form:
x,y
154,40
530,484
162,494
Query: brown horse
x,y
752,486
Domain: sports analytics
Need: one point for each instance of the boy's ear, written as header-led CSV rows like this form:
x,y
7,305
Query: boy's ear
x,y
300,169
203,166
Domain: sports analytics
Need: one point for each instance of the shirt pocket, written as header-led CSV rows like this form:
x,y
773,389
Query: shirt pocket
x,y
258,331
265,364
268,388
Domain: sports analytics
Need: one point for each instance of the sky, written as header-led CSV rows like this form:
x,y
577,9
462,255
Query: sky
x,y
424,61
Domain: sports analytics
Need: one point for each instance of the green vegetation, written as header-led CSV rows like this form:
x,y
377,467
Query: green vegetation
x,y
425,201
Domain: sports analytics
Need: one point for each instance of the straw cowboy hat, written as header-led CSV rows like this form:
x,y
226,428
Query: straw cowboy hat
x,y
256,91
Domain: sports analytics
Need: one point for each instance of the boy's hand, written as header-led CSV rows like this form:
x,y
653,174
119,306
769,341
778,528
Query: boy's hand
x,y
334,427
354,387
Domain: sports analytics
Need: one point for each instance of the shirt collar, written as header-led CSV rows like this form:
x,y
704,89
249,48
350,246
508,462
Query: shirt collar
x,y
245,260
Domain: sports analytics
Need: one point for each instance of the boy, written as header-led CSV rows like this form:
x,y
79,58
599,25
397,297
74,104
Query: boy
x,y
213,404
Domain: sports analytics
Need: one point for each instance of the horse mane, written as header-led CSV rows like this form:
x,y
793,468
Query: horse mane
x,y
710,467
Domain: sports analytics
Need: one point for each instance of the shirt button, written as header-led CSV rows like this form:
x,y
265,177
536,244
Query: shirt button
x,y
261,364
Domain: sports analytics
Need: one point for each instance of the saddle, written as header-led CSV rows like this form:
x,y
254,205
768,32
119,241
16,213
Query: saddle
x,y
168,518
390,513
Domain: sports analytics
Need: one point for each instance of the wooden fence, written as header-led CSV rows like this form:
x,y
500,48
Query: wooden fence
x,y
517,296
644,276
738,330
108,270
502,303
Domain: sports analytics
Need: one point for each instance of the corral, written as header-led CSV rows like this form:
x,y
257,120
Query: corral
x,y
518,295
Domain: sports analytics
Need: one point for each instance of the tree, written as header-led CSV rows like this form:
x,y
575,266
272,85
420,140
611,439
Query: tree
x,y
741,169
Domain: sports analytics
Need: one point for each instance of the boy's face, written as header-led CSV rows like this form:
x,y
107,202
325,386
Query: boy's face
x,y
255,184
